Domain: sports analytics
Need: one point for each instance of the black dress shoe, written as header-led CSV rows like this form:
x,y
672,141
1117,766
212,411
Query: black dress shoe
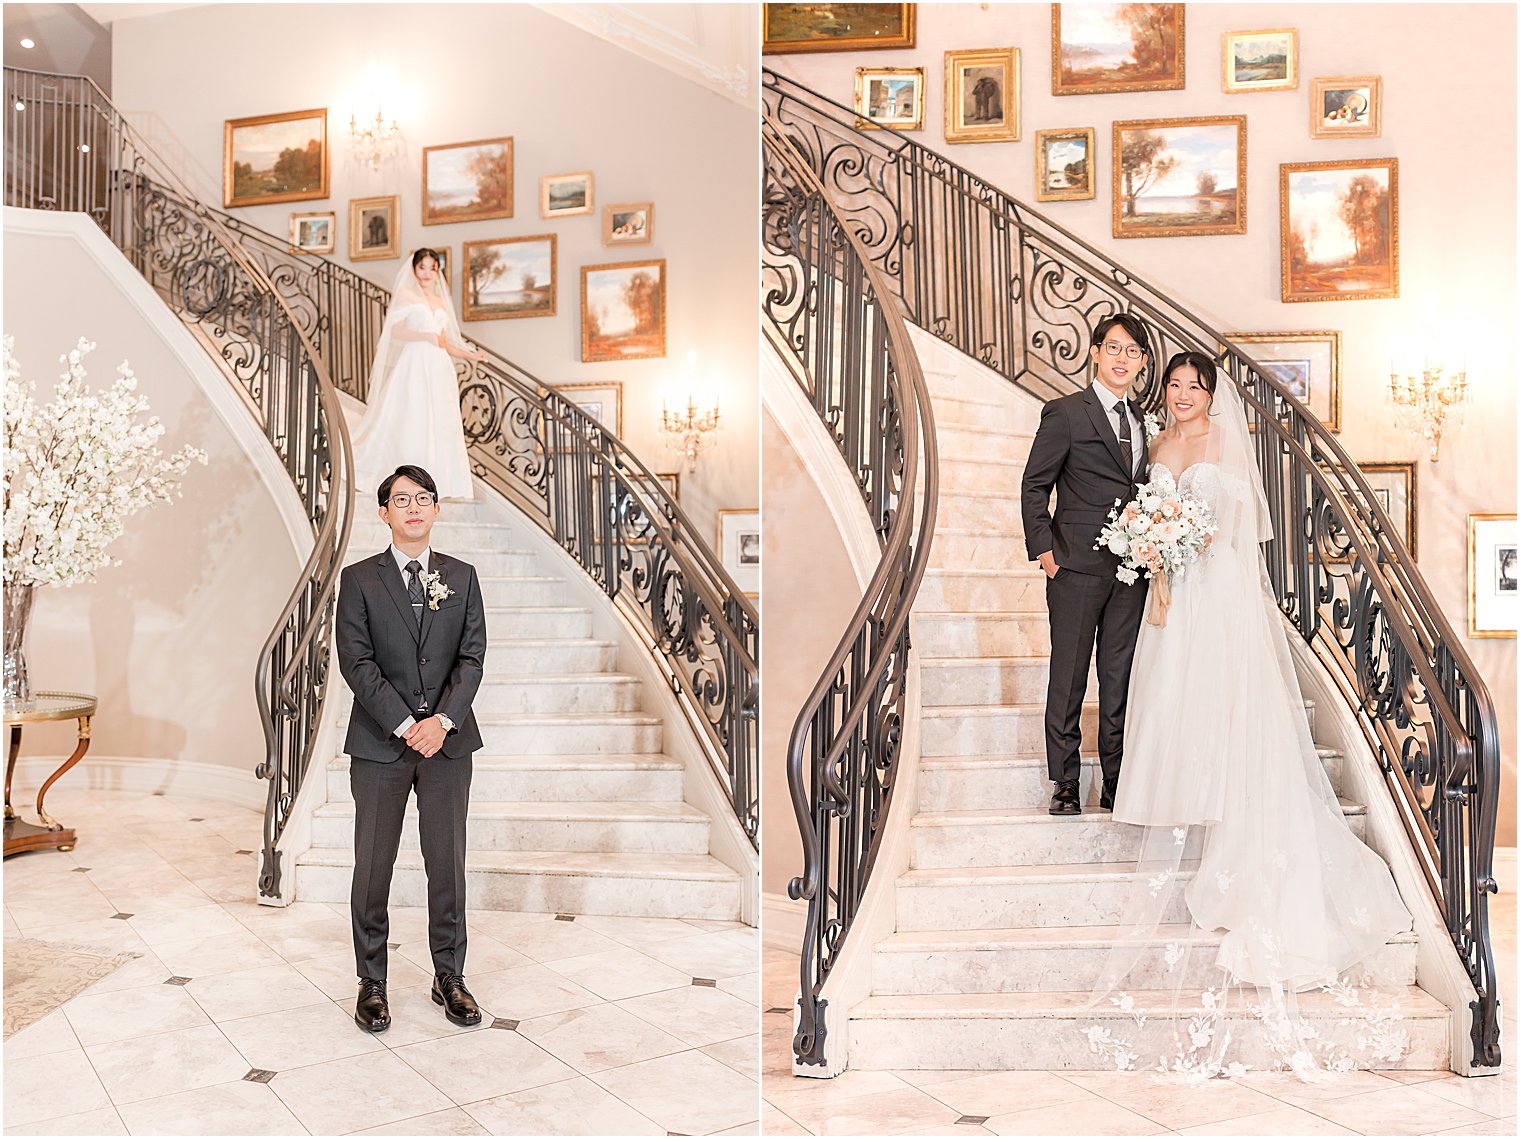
x,y
372,1012
458,1005
1110,789
1066,800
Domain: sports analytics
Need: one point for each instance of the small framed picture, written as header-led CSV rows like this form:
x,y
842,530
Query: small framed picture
x,y
890,98
374,228
1493,593
445,266
1307,363
635,524
1180,177
467,181
268,159
508,277
1262,60
1346,106
1339,228
1396,490
788,28
566,195
1064,164
631,223
313,233
623,311
982,95
739,548
603,402
1105,49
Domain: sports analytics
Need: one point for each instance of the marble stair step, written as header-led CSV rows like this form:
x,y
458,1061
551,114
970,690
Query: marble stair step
x,y
998,508
1067,958
587,827
1047,1031
993,729
988,680
1032,836
630,777
977,547
996,897
1010,782
989,634
953,412
570,733
537,622
626,885
525,590
448,537
957,473
543,694
556,656
982,441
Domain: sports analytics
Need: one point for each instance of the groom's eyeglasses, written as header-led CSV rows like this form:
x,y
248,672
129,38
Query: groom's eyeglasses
x,y
1133,351
402,501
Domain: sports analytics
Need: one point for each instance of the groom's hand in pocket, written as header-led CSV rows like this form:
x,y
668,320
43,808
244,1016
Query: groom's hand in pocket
x,y
1048,564
426,736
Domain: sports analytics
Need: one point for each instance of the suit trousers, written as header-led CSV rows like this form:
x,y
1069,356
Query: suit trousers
x,y
1083,608
381,791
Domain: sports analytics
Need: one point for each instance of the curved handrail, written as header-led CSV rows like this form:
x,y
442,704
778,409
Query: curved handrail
x,y
832,310
1020,293
68,148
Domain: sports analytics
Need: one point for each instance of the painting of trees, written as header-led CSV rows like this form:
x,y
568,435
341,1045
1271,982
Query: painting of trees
x,y
1153,36
623,311
491,168
467,181
1340,225
1364,209
1104,48
484,267
275,158
1144,163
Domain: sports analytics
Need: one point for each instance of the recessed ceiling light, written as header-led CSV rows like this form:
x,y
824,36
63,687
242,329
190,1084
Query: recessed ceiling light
x,y
28,43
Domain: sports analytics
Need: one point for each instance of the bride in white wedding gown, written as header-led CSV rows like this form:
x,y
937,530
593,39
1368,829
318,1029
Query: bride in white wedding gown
x,y
412,415
1219,767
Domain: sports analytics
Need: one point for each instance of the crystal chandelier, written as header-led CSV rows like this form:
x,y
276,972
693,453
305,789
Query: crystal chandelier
x,y
687,430
375,141
1428,402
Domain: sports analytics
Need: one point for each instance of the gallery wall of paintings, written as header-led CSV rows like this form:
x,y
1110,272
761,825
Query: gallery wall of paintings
x,y
1287,170
581,212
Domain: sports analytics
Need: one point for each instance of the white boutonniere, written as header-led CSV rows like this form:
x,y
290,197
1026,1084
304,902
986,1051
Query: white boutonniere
x,y
436,590
1152,425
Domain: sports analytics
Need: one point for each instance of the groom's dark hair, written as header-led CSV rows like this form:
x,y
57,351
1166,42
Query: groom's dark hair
x,y
406,471
1131,324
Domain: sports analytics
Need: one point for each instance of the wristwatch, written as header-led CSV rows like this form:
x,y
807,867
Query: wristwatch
x,y
448,724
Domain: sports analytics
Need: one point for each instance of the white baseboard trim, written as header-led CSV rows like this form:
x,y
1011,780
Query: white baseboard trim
x,y
140,775
783,923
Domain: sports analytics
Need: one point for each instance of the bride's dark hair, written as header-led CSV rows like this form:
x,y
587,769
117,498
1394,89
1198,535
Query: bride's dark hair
x,y
418,256
1208,374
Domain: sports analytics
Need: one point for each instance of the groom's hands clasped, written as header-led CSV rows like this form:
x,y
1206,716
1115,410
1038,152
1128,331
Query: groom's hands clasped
x,y
425,737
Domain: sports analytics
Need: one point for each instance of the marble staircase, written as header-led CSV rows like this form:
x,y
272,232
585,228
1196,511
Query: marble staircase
x,y
574,806
1005,913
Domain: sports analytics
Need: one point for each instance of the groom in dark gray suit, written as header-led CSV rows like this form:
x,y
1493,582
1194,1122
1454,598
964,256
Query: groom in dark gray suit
x,y
411,640
1091,450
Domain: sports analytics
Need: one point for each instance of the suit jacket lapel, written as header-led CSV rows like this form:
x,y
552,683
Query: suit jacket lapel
x,y
1099,416
390,574
439,564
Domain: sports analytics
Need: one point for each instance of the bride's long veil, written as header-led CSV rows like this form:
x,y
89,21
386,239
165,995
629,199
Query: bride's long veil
x,y
1303,905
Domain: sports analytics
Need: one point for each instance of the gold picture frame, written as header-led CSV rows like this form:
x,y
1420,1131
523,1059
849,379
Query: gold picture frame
x,y
1297,367
1370,276
739,548
1075,185
1493,595
483,168
1142,147
374,228
268,159
630,296
1168,22
628,223
1261,72
576,194
883,88
314,232
1346,106
1405,483
997,96
788,29
609,391
520,261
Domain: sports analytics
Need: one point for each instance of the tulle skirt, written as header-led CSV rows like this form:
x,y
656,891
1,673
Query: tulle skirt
x,y
414,418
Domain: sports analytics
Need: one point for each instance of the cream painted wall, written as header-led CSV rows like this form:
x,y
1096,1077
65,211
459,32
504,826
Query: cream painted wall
x,y
1442,64
571,102
806,560
167,640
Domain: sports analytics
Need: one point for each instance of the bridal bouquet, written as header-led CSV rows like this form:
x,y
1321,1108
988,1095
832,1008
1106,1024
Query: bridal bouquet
x,y
1159,534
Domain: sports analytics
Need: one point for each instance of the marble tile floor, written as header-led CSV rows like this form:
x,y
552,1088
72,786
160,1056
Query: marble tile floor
x,y
966,1103
236,1018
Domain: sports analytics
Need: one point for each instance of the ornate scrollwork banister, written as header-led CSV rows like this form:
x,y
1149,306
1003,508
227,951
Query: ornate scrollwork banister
x,y
68,148
829,308
1021,294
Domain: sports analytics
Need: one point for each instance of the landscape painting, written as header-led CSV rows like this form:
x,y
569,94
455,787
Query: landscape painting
x,y
467,181
1065,159
837,27
1340,230
510,277
275,158
1102,49
891,97
1180,177
1265,60
623,311
565,195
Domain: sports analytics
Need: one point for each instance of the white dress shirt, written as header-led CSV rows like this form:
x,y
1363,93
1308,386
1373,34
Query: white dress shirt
x,y
1113,405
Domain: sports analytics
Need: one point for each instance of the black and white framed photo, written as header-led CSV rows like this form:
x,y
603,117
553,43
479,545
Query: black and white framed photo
x,y
1394,486
1493,591
739,548
1308,364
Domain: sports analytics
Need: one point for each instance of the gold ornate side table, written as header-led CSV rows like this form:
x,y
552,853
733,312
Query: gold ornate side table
x,y
43,706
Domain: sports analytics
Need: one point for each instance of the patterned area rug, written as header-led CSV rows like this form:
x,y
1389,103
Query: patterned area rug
x,y
40,976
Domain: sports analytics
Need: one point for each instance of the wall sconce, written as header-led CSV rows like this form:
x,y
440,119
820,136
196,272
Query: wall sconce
x,y
687,430
374,142
1428,400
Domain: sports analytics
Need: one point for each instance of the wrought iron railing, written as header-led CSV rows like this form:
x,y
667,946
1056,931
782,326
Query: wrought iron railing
x,y
828,309
1021,294
67,148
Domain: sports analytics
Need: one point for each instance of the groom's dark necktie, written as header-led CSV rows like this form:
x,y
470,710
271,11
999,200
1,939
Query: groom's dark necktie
x,y
1126,449
414,587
